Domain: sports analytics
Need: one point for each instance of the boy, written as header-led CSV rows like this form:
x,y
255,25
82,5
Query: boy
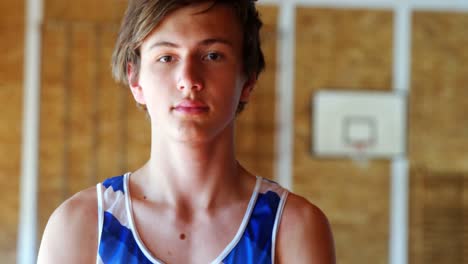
x,y
192,66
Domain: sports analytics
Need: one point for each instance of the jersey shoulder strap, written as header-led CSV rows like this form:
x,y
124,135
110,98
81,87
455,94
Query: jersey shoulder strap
x,y
117,241
257,244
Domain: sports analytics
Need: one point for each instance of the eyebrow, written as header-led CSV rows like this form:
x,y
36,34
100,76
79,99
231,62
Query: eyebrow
x,y
205,42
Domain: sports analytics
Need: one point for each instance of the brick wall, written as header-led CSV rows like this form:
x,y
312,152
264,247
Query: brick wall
x,y
11,97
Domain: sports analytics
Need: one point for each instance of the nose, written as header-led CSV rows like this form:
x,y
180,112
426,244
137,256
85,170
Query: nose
x,y
190,78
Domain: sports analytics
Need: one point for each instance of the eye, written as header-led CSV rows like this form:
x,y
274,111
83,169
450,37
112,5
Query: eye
x,y
213,56
166,59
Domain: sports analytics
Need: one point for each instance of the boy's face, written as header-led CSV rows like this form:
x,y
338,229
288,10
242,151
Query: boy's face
x,y
191,73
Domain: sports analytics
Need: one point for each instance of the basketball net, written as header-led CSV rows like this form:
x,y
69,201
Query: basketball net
x,y
360,155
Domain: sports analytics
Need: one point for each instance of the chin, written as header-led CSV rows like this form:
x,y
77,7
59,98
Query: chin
x,y
190,133
193,140
197,135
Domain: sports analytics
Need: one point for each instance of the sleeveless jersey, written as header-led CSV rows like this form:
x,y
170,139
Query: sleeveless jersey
x,y
254,241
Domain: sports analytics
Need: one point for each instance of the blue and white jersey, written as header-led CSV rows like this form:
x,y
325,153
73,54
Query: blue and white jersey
x,y
254,242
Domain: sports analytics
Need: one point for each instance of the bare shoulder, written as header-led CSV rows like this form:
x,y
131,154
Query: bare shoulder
x,y
71,232
304,234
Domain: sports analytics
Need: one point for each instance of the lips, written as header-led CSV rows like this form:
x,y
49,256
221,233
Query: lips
x,y
191,107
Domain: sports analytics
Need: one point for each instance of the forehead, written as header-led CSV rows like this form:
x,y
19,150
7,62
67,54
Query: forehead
x,y
197,22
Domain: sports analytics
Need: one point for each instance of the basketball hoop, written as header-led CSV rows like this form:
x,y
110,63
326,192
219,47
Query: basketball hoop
x,y
360,154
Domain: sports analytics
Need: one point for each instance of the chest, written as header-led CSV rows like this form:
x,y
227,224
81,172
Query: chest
x,y
188,237
239,234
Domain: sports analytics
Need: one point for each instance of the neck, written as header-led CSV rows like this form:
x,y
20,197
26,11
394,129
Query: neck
x,y
197,175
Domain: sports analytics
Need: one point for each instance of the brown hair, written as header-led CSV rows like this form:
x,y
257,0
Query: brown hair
x,y
142,16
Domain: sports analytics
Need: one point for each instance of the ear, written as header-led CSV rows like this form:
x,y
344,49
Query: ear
x,y
134,84
247,89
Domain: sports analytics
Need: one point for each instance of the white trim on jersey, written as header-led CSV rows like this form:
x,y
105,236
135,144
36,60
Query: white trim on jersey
x,y
279,213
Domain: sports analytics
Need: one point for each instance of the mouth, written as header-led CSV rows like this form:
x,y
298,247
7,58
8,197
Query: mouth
x,y
191,107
